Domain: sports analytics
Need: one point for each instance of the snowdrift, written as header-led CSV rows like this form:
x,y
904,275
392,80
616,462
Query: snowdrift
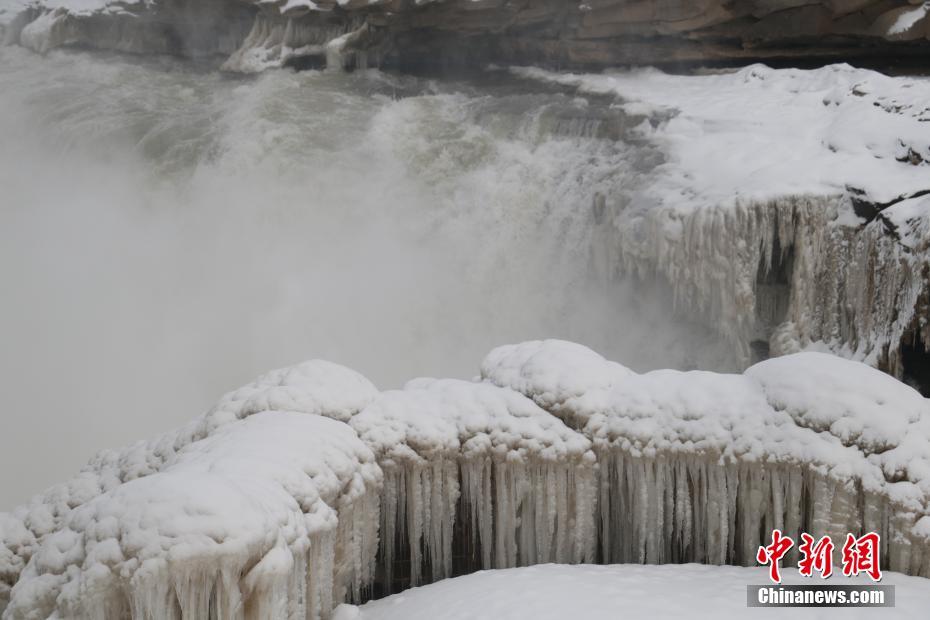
x,y
668,592
308,487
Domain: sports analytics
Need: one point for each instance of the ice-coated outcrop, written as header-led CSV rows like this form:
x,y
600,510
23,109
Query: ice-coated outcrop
x,y
316,387
694,466
792,209
273,516
308,487
526,480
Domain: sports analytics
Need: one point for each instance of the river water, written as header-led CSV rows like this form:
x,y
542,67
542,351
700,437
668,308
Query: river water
x,y
167,232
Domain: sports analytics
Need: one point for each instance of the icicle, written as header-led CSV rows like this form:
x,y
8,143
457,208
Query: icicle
x,y
414,522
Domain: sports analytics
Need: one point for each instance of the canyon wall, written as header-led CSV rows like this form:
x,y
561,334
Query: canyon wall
x,y
443,34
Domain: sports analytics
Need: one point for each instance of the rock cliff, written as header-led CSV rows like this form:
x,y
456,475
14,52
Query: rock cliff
x,y
443,34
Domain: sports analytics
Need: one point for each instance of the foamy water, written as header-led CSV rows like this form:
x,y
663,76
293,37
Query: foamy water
x,y
168,232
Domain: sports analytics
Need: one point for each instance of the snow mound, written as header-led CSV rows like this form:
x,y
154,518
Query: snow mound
x,y
314,387
555,592
432,418
237,519
857,404
769,413
552,371
317,387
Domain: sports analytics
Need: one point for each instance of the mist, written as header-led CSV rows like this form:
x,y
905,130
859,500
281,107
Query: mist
x,y
168,233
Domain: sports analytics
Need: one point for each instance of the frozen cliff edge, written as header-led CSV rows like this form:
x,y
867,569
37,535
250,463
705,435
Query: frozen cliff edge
x,y
444,33
308,487
791,210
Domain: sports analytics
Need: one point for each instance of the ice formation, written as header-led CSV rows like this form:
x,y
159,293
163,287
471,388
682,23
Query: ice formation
x,y
526,480
695,466
148,472
307,487
271,516
822,178
275,40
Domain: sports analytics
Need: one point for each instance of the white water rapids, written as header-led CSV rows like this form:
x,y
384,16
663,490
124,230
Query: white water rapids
x,y
167,232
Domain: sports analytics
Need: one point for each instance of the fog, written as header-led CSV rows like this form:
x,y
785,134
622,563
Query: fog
x,y
168,233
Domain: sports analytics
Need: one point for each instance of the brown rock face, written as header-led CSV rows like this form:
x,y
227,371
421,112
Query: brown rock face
x,y
596,33
583,34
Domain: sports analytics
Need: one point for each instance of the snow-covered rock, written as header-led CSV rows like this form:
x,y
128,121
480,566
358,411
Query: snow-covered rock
x,y
526,480
314,387
791,209
693,465
271,514
757,133
306,487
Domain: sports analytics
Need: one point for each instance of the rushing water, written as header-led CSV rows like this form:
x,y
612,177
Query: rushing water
x,y
167,232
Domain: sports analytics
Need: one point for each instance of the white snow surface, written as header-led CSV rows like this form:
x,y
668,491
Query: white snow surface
x,y
847,419
430,418
672,592
907,19
242,506
186,471
911,221
316,386
56,8
759,133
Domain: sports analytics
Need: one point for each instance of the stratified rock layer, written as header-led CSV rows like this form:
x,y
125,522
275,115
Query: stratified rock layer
x,y
443,33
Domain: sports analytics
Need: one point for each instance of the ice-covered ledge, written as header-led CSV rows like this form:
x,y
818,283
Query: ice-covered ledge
x,y
309,487
822,178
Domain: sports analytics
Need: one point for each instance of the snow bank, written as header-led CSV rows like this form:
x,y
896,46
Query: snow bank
x,y
314,387
760,133
237,519
610,592
694,465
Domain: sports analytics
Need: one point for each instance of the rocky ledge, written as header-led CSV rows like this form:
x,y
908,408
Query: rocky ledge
x,y
439,34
